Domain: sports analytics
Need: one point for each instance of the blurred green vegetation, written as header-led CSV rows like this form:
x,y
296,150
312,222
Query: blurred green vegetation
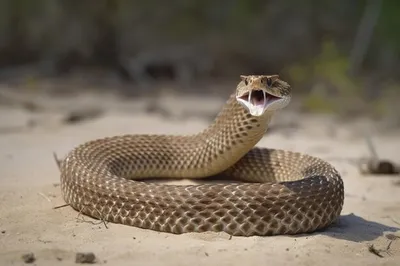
x,y
327,79
389,24
310,41
331,89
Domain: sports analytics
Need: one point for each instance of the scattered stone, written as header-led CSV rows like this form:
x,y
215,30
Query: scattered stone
x,y
379,167
374,165
392,237
79,116
28,258
85,257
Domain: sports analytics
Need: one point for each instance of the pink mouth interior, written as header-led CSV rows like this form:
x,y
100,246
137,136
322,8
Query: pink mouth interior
x,y
257,98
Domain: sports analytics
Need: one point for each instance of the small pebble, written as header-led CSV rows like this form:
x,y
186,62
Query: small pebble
x,y
78,116
392,237
87,257
28,258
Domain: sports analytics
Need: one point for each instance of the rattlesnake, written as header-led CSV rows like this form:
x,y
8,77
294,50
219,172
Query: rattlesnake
x,y
275,192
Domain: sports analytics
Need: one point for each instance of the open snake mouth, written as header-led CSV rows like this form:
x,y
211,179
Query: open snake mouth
x,y
257,100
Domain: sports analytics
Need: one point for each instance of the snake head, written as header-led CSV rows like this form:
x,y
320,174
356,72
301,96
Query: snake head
x,y
259,93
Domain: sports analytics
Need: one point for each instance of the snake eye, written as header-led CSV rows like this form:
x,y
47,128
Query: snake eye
x,y
269,82
246,82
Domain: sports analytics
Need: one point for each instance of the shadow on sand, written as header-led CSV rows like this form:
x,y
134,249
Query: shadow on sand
x,y
355,228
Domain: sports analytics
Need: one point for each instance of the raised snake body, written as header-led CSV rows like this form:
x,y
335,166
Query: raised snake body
x,y
280,192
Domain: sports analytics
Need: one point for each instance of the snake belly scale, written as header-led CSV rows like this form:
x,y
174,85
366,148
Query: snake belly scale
x,y
274,192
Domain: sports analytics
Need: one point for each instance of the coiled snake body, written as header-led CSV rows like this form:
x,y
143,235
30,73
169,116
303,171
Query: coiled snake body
x,y
280,192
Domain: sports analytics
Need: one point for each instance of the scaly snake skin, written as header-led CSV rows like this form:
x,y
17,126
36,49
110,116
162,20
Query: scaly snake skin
x,y
276,192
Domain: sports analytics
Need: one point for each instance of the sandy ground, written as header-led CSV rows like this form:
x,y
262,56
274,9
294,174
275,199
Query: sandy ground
x,y
30,189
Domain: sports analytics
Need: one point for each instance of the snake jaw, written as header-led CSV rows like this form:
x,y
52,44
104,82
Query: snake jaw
x,y
257,101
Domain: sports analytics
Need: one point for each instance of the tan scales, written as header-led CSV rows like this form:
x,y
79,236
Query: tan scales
x,y
280,192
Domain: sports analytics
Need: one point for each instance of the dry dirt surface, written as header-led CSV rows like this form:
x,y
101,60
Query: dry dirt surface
x,y
33,231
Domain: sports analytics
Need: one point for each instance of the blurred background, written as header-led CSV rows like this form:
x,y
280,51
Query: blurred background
x,y
340,56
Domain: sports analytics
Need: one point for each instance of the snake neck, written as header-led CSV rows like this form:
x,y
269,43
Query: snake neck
x,y
233,133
